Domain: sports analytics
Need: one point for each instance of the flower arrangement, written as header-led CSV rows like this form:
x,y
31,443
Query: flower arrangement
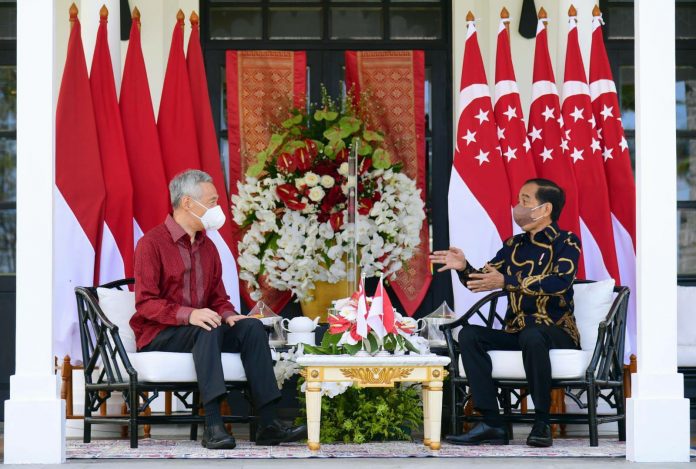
x,y
293,203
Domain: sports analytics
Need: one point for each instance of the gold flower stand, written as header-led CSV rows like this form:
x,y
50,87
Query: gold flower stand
x,y
429,370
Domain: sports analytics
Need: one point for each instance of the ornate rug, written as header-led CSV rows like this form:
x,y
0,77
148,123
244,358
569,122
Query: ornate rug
x,y
186,449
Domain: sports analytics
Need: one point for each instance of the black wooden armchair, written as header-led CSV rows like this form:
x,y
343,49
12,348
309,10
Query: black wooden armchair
x,y
103,351
603,378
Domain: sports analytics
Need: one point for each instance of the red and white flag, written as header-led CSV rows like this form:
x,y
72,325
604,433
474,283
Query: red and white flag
x,y
78,197
150,192
547,136
478,194
375,316
361,326
617,167
210,159
585,153
175,124
512,134
116,250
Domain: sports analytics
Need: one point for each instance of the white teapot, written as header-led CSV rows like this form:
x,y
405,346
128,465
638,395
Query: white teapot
x,y
300,324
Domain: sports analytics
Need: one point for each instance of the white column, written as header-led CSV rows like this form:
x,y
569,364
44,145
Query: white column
x,y
89,19
657,414
35,414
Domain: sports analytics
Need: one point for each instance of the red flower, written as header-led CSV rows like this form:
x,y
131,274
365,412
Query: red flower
x,y
334,197
336,220
290,197
286,163
364,166
342,156
303,159
376,197
326,168
311,147
365,206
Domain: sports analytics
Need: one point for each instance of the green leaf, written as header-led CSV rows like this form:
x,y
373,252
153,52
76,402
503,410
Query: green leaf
x,y
349,125
275,141
364,149
292,121
381,159
333,134
372,136
352,349
320,115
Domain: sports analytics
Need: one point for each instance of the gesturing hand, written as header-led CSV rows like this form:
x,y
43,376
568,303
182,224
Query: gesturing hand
x,y
491,279
453,258
205,318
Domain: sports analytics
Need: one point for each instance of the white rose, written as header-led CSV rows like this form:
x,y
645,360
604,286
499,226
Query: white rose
x,y
299,182
327,181
343,169
316,194
311,179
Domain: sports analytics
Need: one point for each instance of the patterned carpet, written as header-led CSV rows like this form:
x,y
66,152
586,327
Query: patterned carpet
x,y
186,449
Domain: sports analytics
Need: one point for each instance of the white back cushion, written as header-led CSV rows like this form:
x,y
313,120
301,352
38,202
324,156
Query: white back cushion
x,y
119,307
686,315
592,303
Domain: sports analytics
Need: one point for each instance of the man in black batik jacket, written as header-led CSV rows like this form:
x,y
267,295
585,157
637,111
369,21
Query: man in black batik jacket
x,y
537,269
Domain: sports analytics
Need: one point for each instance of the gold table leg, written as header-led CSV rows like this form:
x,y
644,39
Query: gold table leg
x,y
313,398
434,398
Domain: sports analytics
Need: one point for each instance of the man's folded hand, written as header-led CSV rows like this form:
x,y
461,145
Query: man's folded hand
x,y
205,318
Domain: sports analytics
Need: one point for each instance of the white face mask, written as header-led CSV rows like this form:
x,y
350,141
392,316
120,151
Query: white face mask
x,y
213,218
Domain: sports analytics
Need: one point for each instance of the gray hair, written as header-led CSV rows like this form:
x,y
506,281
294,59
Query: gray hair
x,y
187,183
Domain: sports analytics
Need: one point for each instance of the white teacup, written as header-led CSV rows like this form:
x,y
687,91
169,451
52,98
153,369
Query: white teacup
x,y
295,338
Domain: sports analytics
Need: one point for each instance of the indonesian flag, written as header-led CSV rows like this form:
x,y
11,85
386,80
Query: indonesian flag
x,y
176,124
479,198
547,137
512,134
78,196
375,316
584,150
116,251
361,317
210,159
150,192
617,167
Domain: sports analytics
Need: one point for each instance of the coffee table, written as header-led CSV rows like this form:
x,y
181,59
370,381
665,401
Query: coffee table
x,y
376,372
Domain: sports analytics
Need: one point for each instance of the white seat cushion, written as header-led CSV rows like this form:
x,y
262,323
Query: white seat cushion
x,y
159,367
686,355
119,307
592,304
565,364
686,315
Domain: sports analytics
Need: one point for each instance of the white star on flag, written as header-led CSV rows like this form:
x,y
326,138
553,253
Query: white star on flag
x,y
599,133
510,153
482,116
592,121
607,154
560,120
546,154
510,113
623,144
527,146
606,112
595,145
469,137
535,133
576,155
577,114
501,133
548,113
564,144
567,134
482,156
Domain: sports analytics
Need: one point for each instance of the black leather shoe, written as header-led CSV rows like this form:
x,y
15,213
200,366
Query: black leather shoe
x,y
277,433
216,437
481,434
540,436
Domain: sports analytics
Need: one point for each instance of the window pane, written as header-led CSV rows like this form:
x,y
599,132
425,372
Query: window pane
x,y
686,245
8,22
415,23
686,98
8,98
8,170
223,99
295,23
225,157
686,169
8,240
235,23
620,22
627,96
356,23
685,21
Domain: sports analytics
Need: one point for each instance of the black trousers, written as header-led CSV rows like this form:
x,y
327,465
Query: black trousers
x,y
534,342
247,337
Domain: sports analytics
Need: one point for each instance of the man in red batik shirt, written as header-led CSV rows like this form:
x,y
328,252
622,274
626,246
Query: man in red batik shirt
x,y
182,306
